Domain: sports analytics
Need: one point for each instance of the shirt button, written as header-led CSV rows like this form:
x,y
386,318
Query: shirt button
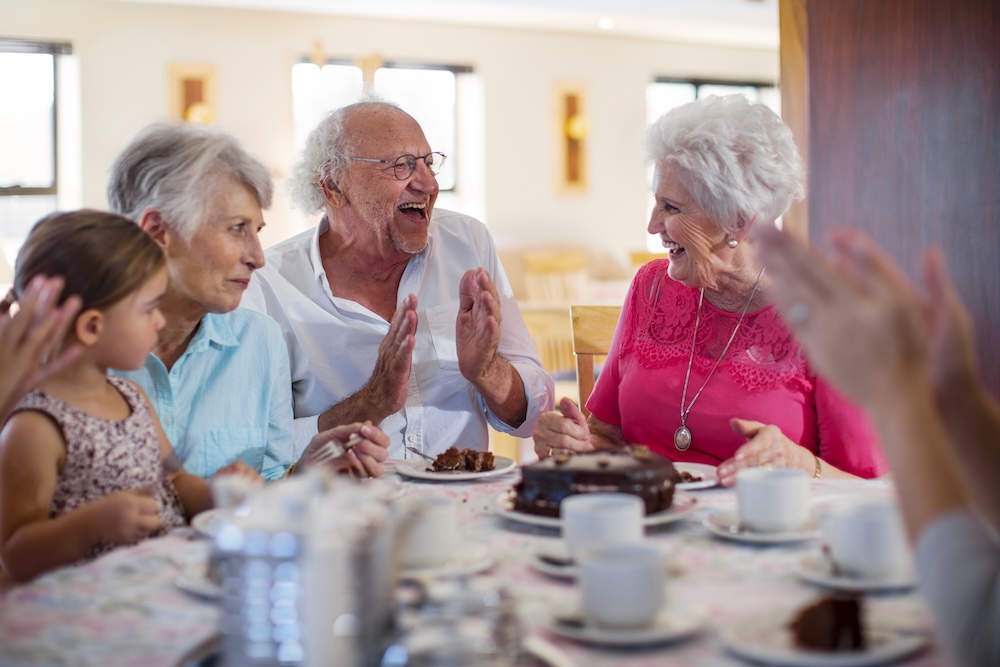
x,y
411,440
167,420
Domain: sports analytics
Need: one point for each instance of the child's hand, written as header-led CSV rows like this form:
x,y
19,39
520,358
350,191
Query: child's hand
x,y
241,469
126,517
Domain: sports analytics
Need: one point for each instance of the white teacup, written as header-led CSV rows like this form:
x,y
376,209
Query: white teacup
x,y
866,538
597,519
432,538
622,585
231,491
772,500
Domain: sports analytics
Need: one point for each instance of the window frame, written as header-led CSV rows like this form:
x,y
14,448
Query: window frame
x,y
55,49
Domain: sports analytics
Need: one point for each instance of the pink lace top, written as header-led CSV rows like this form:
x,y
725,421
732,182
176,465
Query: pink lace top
x,y
763,377
103,456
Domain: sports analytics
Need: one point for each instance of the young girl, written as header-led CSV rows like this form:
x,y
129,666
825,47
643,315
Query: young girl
x,y
84,463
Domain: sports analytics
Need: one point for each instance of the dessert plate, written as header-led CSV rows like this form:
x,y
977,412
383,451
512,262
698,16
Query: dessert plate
x,y
197,584
209,522
765,639
815,567
709,475
419,469
470,558
674,622
684,504
727,525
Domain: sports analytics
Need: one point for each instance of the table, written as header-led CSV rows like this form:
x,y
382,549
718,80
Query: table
x,y
124,610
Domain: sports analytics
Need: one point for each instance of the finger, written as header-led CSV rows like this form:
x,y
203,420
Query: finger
x,y
569,409
467,291
745,427
375,435
796,271
876,272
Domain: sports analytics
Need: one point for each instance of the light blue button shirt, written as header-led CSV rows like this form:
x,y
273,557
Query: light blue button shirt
x,y
228,397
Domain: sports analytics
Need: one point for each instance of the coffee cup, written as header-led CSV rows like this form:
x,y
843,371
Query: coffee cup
x,y
431,538
622,585
772,500
866,538
596,519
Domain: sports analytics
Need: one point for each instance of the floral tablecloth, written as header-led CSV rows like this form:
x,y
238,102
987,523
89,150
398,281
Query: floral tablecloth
x,y
124,610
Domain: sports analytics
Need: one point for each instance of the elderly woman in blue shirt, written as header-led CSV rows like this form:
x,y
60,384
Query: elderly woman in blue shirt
x,y
219,376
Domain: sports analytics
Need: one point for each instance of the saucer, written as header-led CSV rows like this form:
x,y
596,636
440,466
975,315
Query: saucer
x,y
197,584
709,475
471,558
815,567
209,522
767,639
674,622
727,525
555,561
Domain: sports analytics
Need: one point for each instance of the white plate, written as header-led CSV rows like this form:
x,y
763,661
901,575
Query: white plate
x,y
556,552
709,475
816,568
198,585
765,639
419,469
209,522
727,525
675,621
683,504
471,558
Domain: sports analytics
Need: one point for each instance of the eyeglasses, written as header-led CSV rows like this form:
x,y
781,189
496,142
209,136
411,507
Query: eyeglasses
x,y
404,165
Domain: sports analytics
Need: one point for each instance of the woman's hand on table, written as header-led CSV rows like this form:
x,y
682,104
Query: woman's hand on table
x,y
365,458
766,445
564,430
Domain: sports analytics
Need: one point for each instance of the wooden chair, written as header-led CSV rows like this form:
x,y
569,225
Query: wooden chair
x,y
641,258
593,329
556,277
552,334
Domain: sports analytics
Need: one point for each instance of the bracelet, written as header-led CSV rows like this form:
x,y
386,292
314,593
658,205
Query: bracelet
x,y
818,472
291,469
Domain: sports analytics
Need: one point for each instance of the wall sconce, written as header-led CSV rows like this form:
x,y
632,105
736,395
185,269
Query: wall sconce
x,y
192,93
572,129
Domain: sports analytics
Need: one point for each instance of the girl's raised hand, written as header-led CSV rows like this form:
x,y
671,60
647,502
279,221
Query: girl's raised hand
x,y
30,337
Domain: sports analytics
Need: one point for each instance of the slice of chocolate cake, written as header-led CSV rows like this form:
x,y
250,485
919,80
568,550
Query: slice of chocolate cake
x,y
463,460
634,470
832,623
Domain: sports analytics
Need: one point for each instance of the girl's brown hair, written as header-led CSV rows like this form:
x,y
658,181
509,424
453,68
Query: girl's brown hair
x,y
103,257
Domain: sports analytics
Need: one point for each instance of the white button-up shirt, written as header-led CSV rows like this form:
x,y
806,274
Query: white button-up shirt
x,y
333,342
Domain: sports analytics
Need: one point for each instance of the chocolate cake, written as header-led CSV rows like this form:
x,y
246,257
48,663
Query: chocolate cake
x,y
634,470
832,623
463,460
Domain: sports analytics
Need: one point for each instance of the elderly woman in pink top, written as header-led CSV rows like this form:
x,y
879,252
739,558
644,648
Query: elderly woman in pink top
x,y
702,368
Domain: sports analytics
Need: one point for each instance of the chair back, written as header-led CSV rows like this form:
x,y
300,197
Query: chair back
x,y
593,330
640,258
552,334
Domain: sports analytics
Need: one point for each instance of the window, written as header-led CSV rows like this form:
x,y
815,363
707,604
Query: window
x,y
664,94
28,141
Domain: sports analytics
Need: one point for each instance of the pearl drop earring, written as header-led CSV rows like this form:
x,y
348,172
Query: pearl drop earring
x,y
732,243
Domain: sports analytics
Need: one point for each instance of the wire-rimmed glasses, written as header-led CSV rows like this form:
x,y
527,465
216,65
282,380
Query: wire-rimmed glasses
x,y
404,165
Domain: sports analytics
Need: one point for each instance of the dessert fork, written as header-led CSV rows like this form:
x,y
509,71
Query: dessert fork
x,y
334,449
419,453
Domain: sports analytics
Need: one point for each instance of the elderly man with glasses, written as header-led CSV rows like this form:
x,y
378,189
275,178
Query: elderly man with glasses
x,y
394,312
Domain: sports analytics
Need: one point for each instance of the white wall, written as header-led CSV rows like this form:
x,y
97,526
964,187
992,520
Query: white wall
x,y
124,51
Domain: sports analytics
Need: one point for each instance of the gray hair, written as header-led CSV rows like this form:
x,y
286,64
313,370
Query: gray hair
x,y
326,155
176,169
736,158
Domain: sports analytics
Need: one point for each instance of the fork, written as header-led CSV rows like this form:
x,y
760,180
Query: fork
x,y
334,449
419,453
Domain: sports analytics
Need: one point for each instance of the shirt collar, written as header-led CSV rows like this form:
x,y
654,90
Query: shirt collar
x,y
214,329
319,274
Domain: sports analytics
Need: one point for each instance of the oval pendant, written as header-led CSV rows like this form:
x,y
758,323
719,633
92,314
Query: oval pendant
x,y
682,438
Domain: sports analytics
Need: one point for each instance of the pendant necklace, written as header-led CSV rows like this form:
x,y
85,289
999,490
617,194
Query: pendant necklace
x,y
682,436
